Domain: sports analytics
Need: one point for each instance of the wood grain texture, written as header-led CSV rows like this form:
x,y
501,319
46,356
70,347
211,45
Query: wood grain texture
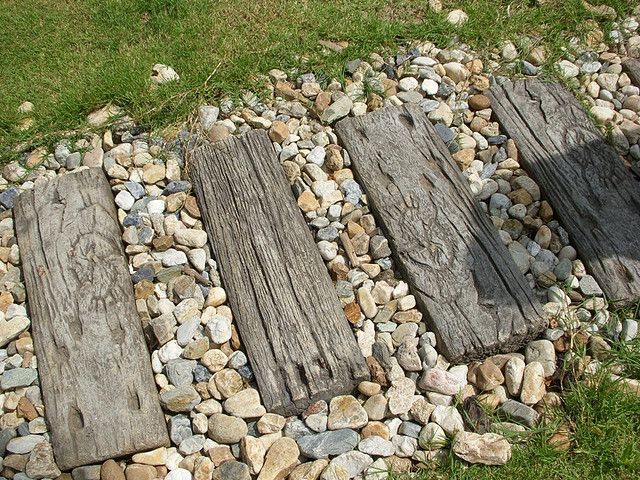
x,y
632,67
98,388
473,296
298,340
593,196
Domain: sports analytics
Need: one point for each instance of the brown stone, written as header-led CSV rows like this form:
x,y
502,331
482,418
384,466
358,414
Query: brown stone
x,y
191,206
284,90
488,376
480,82
6,299
143,289
377,372
16,462
334,160
220,454
390,87
110,470
309,470
378,429
398,464
175,201
545,212
218,132
281,459
479,102
136,471
464,157
202,468
25,409
307,201
323,100
163,243
520,196
561,438
278,132
352,312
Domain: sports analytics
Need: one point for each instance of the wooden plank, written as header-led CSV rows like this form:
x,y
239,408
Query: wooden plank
x,y
473,296
299,342
632,67
98,388
593,196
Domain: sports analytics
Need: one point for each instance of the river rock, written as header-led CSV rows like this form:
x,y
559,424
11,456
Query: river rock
x,y
328,443
488,449
346,412
281,459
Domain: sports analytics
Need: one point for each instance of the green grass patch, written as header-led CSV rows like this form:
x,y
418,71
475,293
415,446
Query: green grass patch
x,y
69,57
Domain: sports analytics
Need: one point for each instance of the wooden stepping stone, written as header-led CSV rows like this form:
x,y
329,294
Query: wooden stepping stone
x,y
298,340
99,392
593,196
464,280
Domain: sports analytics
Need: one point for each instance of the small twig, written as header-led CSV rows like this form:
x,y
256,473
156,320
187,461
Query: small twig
x,y
348,248
192,273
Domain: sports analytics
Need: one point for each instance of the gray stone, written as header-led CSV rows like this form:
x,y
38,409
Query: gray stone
x,y
448,418
589,286
353,462
410,97
337,110
432,437
295,428
22,445
518,412
180,399
375,445
187,330
17,377
629,330
180,371
405,446
208,115
542,351
351,190
6,434
179,428
232,470
41,463
87,472
334,442
192,444
379,247
410,429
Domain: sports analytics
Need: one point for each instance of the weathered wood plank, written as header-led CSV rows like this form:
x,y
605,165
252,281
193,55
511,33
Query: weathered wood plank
x,y
594,197
98,388
473,296
632,67
298,340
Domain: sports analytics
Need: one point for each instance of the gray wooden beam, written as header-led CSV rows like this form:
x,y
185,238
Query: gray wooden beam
x,y
464,280
298,340
99,392
594,197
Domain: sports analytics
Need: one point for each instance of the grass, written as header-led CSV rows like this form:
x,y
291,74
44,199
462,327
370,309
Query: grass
x,y
604,421
71,56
